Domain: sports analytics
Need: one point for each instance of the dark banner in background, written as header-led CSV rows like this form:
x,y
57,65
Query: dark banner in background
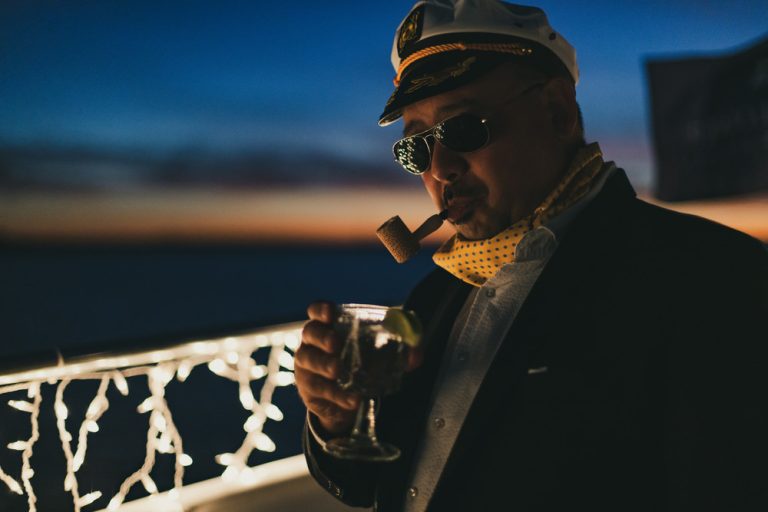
x,y
710,124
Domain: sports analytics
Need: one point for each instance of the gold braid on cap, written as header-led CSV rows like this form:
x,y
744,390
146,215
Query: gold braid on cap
x,y
513,48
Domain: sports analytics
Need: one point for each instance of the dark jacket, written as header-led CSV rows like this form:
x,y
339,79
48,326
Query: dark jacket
x,y
653,326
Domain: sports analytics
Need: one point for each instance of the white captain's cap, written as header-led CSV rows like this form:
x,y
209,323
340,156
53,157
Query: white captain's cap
x,y
444,44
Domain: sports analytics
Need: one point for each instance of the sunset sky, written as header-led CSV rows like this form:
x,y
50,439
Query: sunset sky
x,y
294,78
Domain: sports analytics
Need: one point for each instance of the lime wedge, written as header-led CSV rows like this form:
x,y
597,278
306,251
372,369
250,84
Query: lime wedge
x,y
405,324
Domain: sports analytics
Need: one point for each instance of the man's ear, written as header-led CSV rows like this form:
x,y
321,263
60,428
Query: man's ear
x,y
559,97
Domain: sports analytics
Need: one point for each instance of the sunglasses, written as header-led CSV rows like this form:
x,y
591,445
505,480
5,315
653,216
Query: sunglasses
x,y
462,133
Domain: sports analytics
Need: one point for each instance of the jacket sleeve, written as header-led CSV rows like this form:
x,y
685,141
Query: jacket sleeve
x,y
353,483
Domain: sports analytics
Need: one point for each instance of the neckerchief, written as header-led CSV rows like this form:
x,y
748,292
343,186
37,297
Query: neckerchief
x,y
476,261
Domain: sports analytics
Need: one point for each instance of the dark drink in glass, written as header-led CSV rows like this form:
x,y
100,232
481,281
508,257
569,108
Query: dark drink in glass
x,y
374,364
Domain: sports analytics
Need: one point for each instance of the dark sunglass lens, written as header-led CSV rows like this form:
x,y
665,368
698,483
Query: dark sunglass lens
x,y
413,154
462,133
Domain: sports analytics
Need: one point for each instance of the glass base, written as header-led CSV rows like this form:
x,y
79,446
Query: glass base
x,y
361,448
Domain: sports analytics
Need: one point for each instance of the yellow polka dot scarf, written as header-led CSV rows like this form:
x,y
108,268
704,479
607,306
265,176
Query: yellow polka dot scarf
x,y
476,261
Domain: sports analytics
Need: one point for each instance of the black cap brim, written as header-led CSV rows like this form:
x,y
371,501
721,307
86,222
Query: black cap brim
x,y
442,72
435,75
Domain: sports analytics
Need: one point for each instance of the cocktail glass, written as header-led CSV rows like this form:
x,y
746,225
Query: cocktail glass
x,y
373,360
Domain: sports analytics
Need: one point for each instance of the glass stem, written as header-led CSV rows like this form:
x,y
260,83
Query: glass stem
x,y
366,411
372,421
357,431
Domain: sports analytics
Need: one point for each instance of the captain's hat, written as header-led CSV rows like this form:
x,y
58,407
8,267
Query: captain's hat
x,y
444,44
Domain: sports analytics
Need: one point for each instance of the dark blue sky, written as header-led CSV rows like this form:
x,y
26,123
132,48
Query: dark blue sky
x,y
229,75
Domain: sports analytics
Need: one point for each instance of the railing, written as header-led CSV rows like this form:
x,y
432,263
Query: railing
x,y
230,357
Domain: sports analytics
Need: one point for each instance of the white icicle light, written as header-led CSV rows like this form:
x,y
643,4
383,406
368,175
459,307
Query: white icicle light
x,y
262,442
69,482
286,360
21,405
12,484
89,498
77,460
159,422
273,412
165,373
246,398
149,484
61,411
185,368
33,390
147,405
163,445
292,341
18,445
231,358
225,459
230,474
120,383
253,423
115,503
217,366
94,408
284,379
258,372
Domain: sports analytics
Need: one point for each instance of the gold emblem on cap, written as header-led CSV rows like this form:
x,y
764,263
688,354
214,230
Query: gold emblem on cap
x,y
441,76
409,30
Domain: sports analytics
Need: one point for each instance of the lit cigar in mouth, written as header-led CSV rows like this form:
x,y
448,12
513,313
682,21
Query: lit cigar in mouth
x,y
399,240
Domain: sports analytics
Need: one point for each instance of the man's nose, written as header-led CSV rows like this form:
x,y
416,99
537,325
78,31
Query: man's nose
x,y
447,165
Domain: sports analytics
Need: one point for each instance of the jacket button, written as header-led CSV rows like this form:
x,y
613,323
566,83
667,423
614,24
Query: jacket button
x,y
490,292
413,492
335,490
438,422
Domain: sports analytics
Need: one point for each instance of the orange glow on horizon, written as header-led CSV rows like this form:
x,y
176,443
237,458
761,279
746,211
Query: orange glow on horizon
x,y
315,215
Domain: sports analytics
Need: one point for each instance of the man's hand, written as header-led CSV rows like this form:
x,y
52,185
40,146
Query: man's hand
x,y
317,367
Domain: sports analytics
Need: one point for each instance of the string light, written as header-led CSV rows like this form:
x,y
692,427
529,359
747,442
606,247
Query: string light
x,y
70,481
21,405
185,368
120,383
97,407
231,358
26,466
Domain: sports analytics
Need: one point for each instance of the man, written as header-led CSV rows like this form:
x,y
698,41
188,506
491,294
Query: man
x,y
583,350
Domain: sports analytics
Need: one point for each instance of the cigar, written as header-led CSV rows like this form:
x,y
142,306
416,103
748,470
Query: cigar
x,y
399,240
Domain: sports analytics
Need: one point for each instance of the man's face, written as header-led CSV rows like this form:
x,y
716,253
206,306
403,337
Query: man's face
x,y
502,182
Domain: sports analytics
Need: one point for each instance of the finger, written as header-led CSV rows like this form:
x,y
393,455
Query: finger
x,y
415,359
312,387
322,336
330,415
322,310
317,361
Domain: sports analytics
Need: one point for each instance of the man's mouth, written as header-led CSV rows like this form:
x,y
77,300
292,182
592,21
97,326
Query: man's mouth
x,y
459,207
